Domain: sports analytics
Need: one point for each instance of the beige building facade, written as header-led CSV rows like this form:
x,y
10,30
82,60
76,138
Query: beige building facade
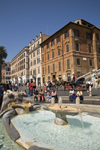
x,y
35,59
75,48
20,66
6,72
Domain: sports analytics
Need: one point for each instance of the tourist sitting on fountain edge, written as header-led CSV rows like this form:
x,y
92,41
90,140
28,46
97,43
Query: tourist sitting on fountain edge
x,y
49,95
54,94
80,95
72,95
41,95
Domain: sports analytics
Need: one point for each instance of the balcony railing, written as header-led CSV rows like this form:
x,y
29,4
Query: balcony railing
x,y
37,46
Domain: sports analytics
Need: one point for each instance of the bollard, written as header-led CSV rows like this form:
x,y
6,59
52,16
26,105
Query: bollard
x,y
52,100
77,100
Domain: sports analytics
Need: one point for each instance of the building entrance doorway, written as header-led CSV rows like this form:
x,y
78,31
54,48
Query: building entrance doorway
x,y
68,77
43,80
39,81
53,77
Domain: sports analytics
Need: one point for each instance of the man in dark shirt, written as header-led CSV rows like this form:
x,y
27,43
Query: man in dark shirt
x,y
36,95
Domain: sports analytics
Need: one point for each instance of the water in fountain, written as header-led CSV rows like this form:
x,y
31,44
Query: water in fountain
x,y
41,130
81,120
5,142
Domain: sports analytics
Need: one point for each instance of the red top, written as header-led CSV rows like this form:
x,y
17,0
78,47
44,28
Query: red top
x,y
31,86
73,77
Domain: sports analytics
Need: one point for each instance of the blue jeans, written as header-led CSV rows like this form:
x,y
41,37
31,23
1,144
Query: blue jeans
x,y
28,92
31,92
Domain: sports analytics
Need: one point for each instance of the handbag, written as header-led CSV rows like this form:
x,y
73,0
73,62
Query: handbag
x,y
87,86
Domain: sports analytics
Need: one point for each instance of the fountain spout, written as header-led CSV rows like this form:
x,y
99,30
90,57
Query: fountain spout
x,y
60,102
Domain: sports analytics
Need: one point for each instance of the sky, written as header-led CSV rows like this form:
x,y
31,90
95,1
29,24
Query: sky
x,y
23,20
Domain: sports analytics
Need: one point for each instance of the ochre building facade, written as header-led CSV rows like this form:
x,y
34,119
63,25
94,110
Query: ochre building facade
x,y
74,49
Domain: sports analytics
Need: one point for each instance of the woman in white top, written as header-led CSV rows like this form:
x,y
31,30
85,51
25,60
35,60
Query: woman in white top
x,y
72,95
89,85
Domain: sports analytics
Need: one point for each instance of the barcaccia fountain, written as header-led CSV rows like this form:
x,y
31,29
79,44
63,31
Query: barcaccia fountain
x,y
58,127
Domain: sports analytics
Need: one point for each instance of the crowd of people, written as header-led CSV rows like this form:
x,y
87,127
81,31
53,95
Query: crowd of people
x,y
39,95
49,88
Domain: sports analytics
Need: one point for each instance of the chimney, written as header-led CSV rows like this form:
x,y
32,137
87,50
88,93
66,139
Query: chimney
x,y
40,34
30,43
33,40
36,37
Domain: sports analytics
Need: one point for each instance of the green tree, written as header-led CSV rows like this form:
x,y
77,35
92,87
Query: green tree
x,y
3,55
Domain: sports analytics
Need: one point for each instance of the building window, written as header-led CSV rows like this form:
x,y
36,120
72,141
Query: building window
x,y
97,36
89,36
53,67
31,63
47,45
34,72
89,48
43,70
59,64
58,52
33,54
77,47
66,34
78,61
42,58
38,70
90,62
52,54
52,42
38,52
48,69
68,63
7,69
38,60
58,39
42,49
76,32
31,72
34,62
47,56
99,50
48,78
67,48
